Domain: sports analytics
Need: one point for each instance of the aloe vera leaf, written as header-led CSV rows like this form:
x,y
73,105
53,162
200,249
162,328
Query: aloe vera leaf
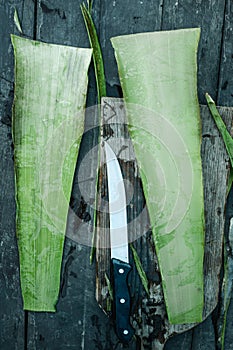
x,y
89,5
227,138
140,269
158,74
110,289
230,181
100,82
17,21
97,53
48,122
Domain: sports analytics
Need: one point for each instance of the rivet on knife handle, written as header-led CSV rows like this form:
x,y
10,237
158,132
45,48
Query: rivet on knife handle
x,y
122,300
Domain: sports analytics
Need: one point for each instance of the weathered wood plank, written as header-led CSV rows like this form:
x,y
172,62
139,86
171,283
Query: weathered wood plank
x,y
215,173
12,328
224,330
225,88
204,335
78,323
117,17
180,341
228,334
225,97
125,17
12,315
25,11
61,22
209,15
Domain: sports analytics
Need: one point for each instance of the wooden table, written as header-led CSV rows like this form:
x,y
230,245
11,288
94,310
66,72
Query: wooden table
x,y
79,322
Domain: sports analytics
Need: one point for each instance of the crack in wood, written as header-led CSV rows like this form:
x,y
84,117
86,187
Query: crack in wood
x,y
221,54
5,79
47,10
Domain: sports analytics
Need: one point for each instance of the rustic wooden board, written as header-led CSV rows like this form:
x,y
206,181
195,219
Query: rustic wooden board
x,y
78,322
225,306
215,174
202,337
209,15
12,319
11,312
225,89
25,10
228,334
125,17
61,22
225,97
145,16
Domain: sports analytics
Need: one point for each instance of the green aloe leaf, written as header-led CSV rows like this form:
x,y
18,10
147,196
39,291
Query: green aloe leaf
x,y
17,22
140,269
110,290
227,138
48,122
100,80
97,53
158,74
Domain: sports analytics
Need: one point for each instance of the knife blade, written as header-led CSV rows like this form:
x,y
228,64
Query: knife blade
x,y
119,245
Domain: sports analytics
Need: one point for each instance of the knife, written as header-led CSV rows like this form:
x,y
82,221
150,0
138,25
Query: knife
x,y
119,245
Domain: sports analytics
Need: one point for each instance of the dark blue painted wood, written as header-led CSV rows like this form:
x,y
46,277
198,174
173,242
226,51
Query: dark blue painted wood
x,y
12,320
209,16
225,88
79,322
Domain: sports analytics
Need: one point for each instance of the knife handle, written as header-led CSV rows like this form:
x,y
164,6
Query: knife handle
x,y
124,330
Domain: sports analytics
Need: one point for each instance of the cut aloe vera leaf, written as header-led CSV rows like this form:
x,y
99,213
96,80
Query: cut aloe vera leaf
x,y
48,122
158,74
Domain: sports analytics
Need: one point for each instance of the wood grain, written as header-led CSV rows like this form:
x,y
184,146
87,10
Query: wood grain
x,y
225,88
125,17
215,173
12,318
209,16
74,325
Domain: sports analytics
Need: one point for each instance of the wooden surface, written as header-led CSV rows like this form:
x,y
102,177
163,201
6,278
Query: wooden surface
x,y
79,322
215,163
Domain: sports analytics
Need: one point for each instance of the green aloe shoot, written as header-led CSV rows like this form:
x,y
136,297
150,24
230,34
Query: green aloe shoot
x,y
17,22
97,53
140,269
227,138
100,78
